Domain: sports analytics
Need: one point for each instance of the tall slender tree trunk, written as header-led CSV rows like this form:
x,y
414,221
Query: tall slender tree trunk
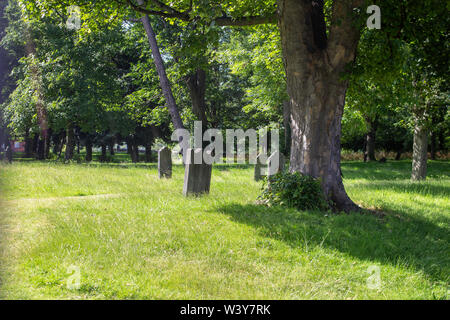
x,y
41,148
129,146
314,66
34,145
88,149
148,152
370,140
28,144
433,146
111,148
47,144
420,152
103,155
160,68
70,146
134,149
41,110
61,144
196,83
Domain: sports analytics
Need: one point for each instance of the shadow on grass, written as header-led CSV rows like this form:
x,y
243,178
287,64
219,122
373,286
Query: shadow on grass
x,y
409,187
395,239
391,170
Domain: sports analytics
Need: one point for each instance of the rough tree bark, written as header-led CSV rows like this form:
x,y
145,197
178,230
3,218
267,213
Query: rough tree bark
x,y
287,127
314,65
196,83
420,152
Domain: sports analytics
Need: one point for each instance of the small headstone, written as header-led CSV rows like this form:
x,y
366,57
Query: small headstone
x,y
197,177
276,169
258,166
165,163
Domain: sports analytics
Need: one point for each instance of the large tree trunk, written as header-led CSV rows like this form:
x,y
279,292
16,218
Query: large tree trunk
x,y
197,87
70,146
287,127
48,144
314,66
370,140
420,152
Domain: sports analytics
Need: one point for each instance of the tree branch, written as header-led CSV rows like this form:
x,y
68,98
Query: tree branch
x,y
246,21
165,7
172,14
344,33
169,12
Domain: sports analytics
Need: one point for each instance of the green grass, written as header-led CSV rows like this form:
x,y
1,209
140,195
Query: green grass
x,y
134,236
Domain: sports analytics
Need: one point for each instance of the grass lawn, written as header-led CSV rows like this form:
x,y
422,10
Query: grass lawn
x,y
133,236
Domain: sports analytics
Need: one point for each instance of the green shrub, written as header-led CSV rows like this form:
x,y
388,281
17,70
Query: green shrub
x,y
293,190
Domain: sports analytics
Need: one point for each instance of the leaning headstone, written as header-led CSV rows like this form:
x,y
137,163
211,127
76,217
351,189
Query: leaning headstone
x,y
165,163
258,167
197,177
274,169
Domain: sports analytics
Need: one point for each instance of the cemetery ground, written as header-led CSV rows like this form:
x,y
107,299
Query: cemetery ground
x,y
134,236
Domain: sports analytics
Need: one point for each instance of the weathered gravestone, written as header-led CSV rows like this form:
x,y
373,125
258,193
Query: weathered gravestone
x,y
273,167
197,177
258,167
165,163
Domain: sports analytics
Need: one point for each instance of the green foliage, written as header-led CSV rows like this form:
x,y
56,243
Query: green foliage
x,y
293,190
255,54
